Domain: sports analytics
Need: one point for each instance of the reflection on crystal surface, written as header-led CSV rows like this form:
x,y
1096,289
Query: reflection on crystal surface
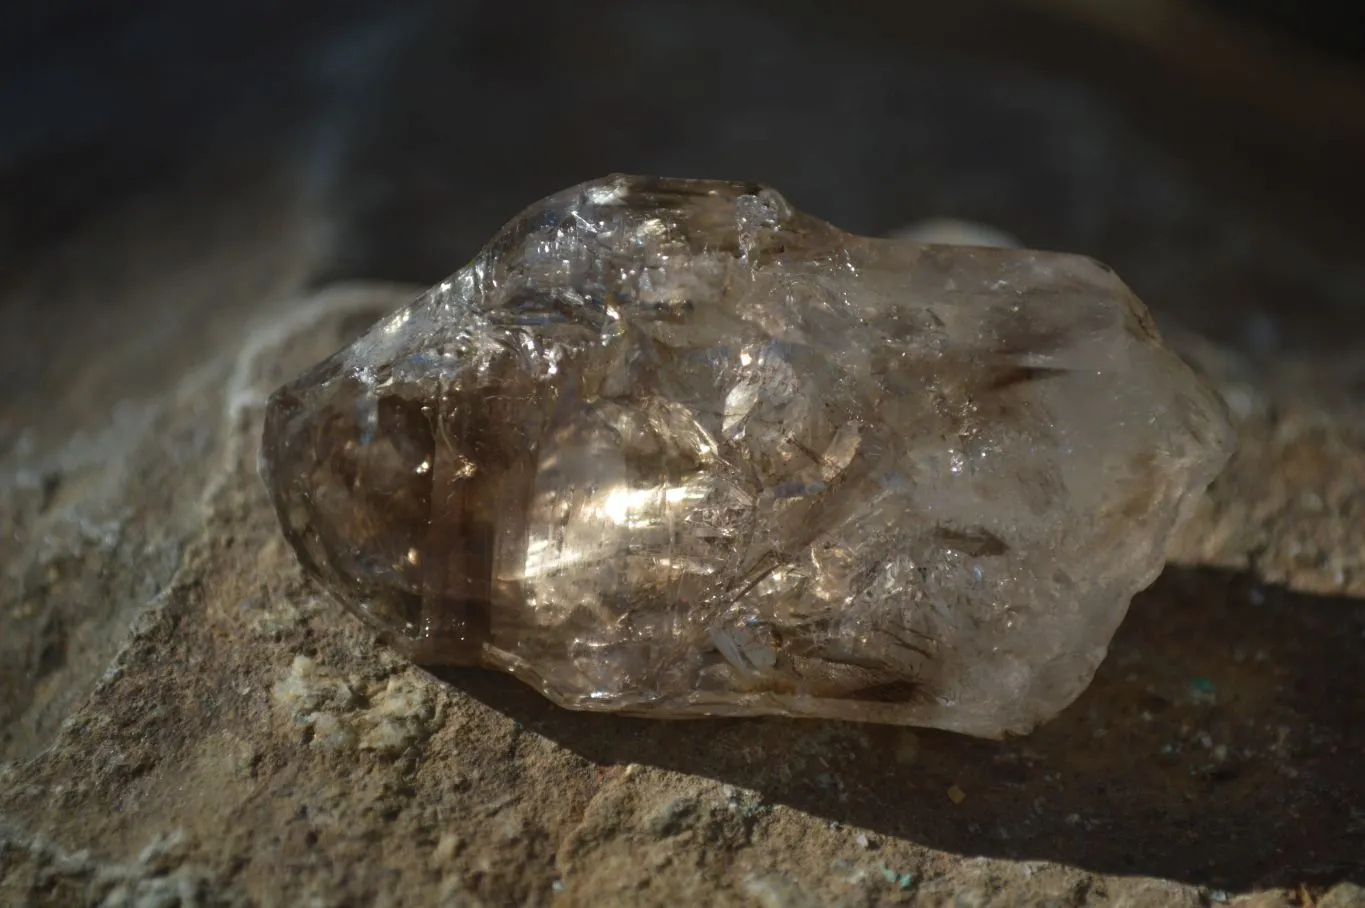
x,y
674,448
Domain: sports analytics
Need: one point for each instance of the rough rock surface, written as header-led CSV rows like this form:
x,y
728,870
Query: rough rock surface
x,y
185,721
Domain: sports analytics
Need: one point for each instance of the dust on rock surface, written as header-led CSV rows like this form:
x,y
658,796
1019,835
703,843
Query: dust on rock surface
x,y
216,733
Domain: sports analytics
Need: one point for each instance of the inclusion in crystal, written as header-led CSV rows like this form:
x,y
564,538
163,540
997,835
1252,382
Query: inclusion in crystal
x,y
675,448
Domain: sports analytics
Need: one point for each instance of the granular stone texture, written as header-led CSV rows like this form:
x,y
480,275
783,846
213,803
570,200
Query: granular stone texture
x,y
184,719
672,447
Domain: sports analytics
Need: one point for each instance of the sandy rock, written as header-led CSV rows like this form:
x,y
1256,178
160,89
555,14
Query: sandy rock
x,y
185,720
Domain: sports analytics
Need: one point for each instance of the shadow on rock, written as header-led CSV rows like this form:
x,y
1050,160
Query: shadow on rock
x,y
1222,743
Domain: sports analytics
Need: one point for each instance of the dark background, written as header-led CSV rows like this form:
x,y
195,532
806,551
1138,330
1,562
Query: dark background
x,y
1141,132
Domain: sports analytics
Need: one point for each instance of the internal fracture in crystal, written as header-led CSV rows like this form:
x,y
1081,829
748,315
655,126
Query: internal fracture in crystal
x,y
674,448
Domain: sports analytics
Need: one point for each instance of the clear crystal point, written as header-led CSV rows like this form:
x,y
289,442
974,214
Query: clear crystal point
x,y
674,448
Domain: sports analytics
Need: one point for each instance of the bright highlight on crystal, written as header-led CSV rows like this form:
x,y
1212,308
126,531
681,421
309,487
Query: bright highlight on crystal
x,y
673,448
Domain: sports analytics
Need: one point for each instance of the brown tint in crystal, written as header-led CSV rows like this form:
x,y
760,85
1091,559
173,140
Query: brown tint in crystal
x,y
672,448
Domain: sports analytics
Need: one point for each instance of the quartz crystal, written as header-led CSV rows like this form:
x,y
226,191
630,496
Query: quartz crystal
x,y
673,448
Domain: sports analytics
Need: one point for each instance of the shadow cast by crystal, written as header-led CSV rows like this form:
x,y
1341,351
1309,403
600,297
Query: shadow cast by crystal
x,y
1219,744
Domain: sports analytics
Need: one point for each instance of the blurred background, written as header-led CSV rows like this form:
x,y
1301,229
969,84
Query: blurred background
x,y
1211,150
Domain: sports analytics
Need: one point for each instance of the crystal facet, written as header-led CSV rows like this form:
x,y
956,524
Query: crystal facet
x,y
674,448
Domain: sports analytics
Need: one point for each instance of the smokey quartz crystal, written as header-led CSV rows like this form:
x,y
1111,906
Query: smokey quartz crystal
x,y
674,448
